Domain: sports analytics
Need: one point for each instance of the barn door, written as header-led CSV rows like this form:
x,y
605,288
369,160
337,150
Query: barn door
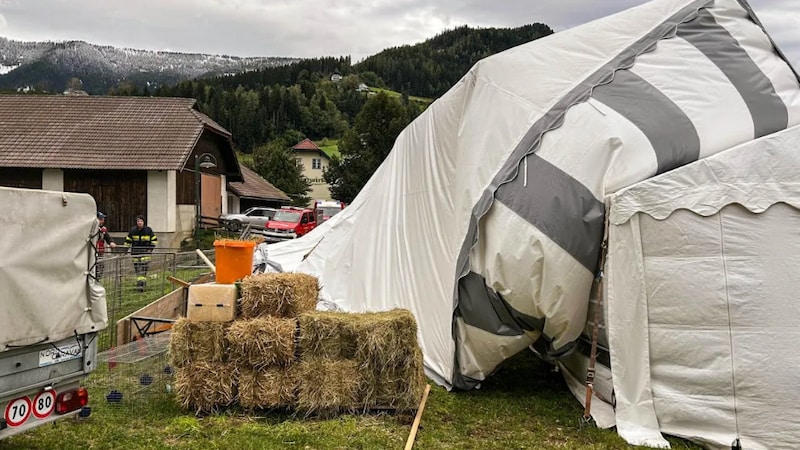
x,y
210,198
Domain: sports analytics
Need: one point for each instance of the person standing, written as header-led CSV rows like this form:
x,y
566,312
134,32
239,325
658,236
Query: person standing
x,y
104,241
141,241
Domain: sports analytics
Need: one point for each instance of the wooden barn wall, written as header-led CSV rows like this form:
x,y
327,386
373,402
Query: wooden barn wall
x,y
18,177
120,194
185,187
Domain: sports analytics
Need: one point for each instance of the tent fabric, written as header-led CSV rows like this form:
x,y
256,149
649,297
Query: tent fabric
x,y
486,218
47,293
702,311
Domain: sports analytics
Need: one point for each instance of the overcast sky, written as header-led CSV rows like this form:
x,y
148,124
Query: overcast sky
x,y
308,28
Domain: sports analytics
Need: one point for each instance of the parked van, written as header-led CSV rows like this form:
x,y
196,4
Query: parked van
x,y
290,223
325,209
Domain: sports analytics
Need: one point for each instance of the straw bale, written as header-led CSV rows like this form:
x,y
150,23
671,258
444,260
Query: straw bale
x,y
192,342
204,387
278,294
386,341
328,386
326,334
258,343
399,389
269,387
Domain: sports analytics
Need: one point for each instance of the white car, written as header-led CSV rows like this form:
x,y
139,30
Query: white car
x,y
256,216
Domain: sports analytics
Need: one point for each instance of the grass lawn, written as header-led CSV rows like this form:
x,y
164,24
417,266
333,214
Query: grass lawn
x,y
523,406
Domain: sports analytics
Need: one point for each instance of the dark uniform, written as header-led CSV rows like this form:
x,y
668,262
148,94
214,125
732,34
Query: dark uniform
x,y
142,241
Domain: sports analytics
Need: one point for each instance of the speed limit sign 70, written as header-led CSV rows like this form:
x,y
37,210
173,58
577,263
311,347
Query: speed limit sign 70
x,y
44,403
18,411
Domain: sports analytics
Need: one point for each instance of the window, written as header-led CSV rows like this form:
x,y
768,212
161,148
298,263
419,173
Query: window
x,y
298,162
316,163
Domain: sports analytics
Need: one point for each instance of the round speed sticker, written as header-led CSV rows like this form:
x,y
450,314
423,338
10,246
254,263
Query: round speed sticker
x,y
44,403
18,411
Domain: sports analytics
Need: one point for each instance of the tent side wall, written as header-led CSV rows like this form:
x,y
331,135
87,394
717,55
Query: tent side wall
x,y
702,313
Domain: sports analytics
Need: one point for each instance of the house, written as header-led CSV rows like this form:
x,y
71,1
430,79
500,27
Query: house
x,y
254,191
314,161
336,78
134,155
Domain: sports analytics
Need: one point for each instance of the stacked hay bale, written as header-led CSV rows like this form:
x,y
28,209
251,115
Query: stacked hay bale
x,y
263,339
353,362
204,379
281,353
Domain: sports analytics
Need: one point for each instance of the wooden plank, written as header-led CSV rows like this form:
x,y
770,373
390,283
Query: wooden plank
x,y
169,306
418,418
178,281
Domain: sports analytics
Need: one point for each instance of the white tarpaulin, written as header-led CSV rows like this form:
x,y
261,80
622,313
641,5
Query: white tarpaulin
x,y
46,293
486,219
702,311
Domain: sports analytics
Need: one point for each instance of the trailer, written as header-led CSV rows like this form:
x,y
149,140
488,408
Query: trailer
x,y
51,306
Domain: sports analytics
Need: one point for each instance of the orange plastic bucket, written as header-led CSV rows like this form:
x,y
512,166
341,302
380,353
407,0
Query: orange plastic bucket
x,y
234,259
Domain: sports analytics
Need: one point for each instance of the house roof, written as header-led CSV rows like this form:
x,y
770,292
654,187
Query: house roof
x,y
98,132
254,186
307,145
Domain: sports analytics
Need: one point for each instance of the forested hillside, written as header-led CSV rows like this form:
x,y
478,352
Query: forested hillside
x,y
258,106
429,69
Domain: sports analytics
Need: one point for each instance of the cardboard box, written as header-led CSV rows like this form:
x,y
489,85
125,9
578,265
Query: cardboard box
x,y
212,302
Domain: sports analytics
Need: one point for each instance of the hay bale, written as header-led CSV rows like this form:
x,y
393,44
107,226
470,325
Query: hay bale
x,y
325,334
192,342
386,341
399,389
258,343
278,294
328,386
269,387
205,387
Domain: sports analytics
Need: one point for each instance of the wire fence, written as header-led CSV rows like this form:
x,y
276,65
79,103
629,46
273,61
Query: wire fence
x,y
132,282
137,374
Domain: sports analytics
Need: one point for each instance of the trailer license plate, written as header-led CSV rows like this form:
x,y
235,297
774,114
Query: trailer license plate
x,y
59,354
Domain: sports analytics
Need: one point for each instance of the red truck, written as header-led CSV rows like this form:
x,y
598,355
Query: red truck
x,y
290,223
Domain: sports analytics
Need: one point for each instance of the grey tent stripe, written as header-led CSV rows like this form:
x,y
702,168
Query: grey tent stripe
x,y
767,109
669,130
551,119
559,206
482,307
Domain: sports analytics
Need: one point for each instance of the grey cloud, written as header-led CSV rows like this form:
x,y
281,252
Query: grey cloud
x,y
308,28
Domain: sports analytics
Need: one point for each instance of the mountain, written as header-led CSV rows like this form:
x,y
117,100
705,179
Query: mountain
x,y
49,66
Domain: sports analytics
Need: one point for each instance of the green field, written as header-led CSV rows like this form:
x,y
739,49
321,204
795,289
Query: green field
x,y
525,405
413,98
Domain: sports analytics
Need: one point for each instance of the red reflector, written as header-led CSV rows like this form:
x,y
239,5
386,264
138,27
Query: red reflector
x,y
72,400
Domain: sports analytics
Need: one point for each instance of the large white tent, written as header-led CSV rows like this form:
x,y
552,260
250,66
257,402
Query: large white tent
x,y
487,218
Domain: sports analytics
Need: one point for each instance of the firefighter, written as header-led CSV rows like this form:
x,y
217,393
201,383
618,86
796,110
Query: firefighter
x,y
141,241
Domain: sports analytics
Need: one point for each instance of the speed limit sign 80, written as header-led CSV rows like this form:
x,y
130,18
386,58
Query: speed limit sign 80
x,y
44,403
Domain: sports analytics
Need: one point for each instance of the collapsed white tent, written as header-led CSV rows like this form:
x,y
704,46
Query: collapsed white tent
x,y
486,219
